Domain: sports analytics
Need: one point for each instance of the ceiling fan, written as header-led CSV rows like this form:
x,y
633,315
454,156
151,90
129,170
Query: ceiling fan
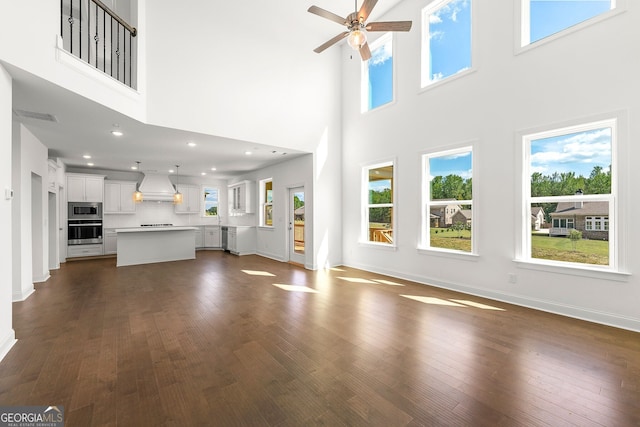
x,y
357,27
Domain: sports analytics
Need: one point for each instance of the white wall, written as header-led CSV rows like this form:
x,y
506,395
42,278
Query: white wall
x,y
586,73
7,334
29,157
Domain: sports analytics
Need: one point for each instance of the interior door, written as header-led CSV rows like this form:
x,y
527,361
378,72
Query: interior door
x,y
296,226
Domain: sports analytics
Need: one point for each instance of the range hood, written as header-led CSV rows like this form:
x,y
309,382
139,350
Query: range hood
x,y
156,187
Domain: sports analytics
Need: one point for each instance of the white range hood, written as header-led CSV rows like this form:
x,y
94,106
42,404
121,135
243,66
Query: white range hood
x,y
156,187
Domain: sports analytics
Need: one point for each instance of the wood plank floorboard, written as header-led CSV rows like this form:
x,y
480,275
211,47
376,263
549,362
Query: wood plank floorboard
x,y
212,341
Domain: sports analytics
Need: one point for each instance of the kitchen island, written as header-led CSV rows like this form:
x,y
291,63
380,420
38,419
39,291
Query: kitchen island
x,y
147,245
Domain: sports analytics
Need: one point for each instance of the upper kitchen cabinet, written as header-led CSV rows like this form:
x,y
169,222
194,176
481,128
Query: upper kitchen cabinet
x,y
190,199
84,188
241,198
118,197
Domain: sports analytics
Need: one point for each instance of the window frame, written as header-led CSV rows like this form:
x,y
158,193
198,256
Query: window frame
x,y
203,212
265,203
426,82
364,232
523,24
426,204
523,250
364,74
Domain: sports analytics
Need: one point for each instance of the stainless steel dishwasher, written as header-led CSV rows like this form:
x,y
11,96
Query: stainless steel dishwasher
x,y
225,238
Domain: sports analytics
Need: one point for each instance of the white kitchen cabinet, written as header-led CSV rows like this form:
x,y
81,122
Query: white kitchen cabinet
x,y
118,197
241,240
190,199
212,236
241,198
74,251
84,188
110,241
199,237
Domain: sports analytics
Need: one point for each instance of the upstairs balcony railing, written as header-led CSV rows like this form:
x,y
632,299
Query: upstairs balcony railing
x,y
94,33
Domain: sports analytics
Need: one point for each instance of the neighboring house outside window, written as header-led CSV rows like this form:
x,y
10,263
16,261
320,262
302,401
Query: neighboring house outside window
x,y
544,18
448,200
211,201
570,176
266,202
446,40
377,74
378,202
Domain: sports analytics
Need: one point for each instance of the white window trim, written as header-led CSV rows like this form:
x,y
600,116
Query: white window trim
x,y
522,42
263,202
425,228
364,212
425,75
203,209
364,75
618,207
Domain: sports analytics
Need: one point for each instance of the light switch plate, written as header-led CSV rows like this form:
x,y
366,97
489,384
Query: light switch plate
x,y
8,194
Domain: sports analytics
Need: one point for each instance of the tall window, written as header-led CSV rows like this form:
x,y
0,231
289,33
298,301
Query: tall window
x,y
378,207
446,39
570,174
210,201
266,202
447,222
377,74
543,18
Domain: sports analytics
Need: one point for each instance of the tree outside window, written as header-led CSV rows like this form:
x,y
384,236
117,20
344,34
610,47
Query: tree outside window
x,y
210,201
379,218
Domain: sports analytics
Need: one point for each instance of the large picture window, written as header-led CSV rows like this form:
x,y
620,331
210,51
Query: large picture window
x,y
544,18
378,197
377,74
447,220
570,178
446,39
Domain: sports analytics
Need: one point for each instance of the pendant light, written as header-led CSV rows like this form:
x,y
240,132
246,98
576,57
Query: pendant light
x,y
177,196
137,195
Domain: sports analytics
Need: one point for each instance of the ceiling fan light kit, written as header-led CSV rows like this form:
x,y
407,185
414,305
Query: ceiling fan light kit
x,y
357,27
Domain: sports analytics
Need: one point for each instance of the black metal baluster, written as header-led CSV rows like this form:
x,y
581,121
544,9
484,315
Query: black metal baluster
x,y
88,33
71,26
104,41
80,28
130,61
124,58
96,38
118,53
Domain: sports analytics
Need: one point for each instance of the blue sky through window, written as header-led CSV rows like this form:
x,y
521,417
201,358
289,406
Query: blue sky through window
x,y
210,198
449,39
380,74
577,152
548,17
454,164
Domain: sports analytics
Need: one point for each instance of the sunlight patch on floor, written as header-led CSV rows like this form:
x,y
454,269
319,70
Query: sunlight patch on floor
x,y
478,305
335,269
295,288
356,280
433,301
388,282
257,273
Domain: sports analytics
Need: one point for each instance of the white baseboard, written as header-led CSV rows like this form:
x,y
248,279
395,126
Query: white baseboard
x,y
7,343
24,295
271,256
42,279
604,318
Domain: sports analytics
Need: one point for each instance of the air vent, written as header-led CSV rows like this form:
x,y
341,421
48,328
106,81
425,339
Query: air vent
x,y
37,116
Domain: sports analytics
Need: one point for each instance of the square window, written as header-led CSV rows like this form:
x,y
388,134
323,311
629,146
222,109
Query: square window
x,y
377,74
446,39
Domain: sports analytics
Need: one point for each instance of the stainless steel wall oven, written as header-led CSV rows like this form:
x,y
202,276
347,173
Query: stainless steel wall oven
x,y
84,223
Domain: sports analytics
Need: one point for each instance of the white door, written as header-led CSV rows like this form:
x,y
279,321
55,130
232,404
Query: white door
x,y
296,225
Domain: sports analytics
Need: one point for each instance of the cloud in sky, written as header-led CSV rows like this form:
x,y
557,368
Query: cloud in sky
x,y
577,152
381,54
449,11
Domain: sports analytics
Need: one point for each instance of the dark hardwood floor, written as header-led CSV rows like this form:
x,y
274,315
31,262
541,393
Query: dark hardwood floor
x,y
214,342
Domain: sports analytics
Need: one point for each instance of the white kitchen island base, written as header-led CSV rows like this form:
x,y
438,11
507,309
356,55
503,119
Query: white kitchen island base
x,y
147,245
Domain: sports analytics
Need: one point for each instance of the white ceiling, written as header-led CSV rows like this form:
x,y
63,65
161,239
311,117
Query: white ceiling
x,y
83,126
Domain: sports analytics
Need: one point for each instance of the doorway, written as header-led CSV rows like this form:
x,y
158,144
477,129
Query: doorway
x,y
53,231
37,228
296,225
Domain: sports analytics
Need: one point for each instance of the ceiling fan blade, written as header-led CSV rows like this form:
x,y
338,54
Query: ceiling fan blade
x,y
331,42
326,14
366,8
389,26
365,52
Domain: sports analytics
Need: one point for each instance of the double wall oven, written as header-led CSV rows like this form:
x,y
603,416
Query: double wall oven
x,y
85,223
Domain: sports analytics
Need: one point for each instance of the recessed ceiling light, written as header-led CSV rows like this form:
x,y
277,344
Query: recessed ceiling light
x,y
116,133
248,153
171,171
89,164
135,168
214,169
86,156
191,144
203,173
